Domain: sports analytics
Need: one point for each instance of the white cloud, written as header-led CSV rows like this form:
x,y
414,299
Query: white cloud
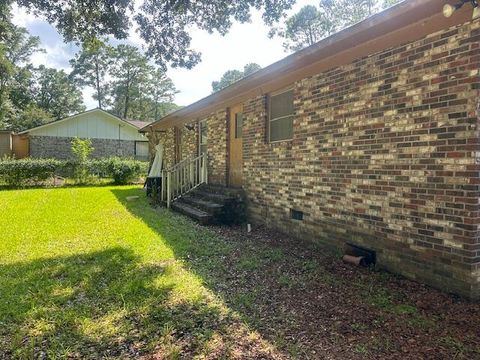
x,y
244,43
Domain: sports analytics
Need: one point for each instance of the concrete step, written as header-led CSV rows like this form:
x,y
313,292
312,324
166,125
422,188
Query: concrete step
x,y
218,198
209,207
218,189
201,216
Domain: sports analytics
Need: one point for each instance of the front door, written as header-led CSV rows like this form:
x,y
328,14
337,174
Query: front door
x,y
235,151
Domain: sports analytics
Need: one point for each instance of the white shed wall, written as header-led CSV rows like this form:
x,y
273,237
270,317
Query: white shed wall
x,y
92,125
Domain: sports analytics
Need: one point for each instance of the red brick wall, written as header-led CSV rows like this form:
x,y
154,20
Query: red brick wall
x,y
385,154
217,147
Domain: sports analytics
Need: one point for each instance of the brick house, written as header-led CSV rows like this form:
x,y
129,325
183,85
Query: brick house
x,y
110,136
370,136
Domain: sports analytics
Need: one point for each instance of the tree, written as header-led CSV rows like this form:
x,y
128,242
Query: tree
x,y
6,72
31,116
231,76
305,28
160,94
16,48
388,3
30,97
139,90
91,66
56,93
311,24
131,71
163,25
250,69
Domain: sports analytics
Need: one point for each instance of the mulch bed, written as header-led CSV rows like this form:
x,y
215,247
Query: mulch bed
x,y
326,309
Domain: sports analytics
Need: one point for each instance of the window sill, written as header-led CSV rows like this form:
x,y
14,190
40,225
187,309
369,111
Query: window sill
x,y
280,141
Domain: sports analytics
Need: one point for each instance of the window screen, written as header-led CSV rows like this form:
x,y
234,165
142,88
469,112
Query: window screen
x,y
141,149
281,116
238,125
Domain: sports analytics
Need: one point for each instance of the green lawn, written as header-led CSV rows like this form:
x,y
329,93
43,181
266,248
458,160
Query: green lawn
x,y
82,276
86,274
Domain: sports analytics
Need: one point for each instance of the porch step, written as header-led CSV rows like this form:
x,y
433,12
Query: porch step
x,y
219,189
210,204
192,212
212,196
205,205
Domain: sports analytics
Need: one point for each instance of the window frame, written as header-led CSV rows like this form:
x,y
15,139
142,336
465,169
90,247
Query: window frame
x,y
269,114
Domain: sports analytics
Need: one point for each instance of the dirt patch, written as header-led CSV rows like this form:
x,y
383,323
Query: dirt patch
x,y
311,305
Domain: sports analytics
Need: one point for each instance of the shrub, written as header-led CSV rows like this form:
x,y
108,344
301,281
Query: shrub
x,y
122,171
18,173
81,149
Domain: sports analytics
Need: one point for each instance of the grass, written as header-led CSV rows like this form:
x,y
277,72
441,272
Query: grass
x,y
86,274
82,276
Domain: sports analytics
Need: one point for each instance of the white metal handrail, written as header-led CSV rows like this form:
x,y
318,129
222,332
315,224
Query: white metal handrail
x,y
183,177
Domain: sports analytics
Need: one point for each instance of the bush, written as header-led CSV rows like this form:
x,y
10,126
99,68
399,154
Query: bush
x,y
81,149
18,173
122,171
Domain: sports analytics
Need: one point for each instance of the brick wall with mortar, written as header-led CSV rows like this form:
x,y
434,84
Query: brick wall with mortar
x,y
189,141
217,147
385,153
167,139
60,147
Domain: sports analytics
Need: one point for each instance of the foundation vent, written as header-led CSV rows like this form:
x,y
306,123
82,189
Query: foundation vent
x,y
296,215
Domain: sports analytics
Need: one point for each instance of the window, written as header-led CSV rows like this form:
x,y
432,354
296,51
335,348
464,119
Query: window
x,y
238,125
141,149
203,137
281,116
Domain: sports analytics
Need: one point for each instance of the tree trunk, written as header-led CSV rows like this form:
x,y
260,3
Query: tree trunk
x,y
127,96
97,79
127,101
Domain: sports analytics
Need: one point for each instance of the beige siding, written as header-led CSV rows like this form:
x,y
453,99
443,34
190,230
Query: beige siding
x,y
20,146
92,125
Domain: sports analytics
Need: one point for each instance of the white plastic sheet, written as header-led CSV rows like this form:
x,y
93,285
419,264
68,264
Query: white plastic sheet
x,y
156,169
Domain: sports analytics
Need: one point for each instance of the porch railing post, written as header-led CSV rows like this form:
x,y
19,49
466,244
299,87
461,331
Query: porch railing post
x,y
202,168
169,194
191,173
205,168
183,177
162,186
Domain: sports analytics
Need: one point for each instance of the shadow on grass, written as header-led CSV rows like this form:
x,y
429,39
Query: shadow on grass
x,y
228,273
298,298
102,304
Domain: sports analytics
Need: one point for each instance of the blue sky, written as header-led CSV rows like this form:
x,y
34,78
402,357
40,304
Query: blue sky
x,y
245,43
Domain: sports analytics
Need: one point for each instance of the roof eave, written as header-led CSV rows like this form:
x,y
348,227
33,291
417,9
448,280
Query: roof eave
x,y
74,116
396,18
